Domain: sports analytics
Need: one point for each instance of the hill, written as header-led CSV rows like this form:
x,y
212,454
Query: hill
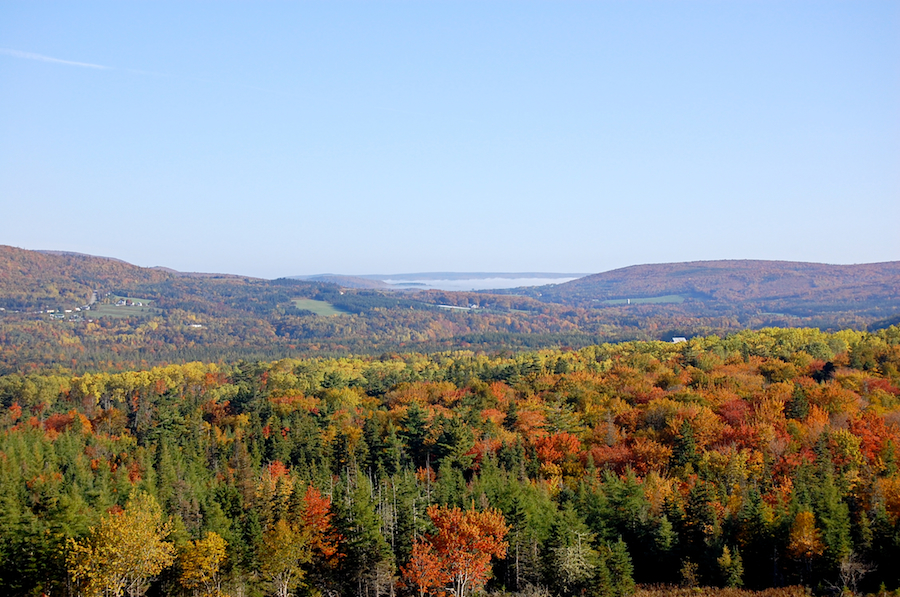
x,y
739,280
346,281
36,279
150,316
740,287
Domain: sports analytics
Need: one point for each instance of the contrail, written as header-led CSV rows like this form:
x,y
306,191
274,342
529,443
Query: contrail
x,y
42,58
31,56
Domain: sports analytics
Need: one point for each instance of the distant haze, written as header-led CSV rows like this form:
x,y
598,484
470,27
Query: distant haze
x,y
446,280
475,283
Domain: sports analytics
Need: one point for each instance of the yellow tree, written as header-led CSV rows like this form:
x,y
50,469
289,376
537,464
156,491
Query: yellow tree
x,y
200,563
805,543
284,550
124,553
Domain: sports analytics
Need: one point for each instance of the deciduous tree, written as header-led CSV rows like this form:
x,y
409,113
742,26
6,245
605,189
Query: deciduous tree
x,y
284,550
201,561
460,552
125,552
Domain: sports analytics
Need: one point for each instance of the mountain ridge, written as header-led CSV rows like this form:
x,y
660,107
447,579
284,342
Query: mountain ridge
x,y
729,280
155,316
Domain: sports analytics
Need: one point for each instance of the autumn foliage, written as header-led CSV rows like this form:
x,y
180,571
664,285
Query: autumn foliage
x,y
760,459
456,558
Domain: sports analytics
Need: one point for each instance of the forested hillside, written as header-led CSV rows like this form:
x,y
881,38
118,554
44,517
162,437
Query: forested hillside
x,y
144,317
741,288
738,280
33,280
760,459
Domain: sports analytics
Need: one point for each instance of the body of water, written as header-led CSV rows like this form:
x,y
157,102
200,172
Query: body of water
x,y
474,283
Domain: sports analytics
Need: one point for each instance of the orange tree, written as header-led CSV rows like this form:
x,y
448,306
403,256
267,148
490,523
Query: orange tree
x,y
456,559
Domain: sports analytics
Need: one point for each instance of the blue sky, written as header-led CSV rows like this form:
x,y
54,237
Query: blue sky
x,y
284,138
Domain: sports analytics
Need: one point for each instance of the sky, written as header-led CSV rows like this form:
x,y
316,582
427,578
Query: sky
x,y
287,138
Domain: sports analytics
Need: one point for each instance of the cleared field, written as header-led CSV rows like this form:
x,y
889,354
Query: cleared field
x,y
318,307
651,300
98,310
112,310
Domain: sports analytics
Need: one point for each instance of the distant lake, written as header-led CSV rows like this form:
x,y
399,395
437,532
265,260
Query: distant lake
x,y
474,283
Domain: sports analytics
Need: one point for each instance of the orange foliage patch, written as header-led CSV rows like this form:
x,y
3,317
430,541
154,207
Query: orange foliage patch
x,y
616,457
493,415
316,518
214,412
15,412
56,424
482,448
734,412
276,470
649,455
555,448
530,423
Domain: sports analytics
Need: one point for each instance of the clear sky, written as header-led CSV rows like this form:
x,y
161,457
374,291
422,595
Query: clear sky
x,y
283,138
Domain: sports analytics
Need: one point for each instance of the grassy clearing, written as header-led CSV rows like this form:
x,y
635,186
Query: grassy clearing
x,y
109,309
651,300
318,307
98,310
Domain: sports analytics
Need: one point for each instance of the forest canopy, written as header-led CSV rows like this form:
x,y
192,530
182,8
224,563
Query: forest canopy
x,y
759,459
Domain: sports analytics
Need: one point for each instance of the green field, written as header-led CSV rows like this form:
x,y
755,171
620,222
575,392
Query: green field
x,y
98,310
318,307
111,310
651,300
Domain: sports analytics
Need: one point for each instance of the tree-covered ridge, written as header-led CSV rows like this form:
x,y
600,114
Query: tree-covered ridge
x,y
228,320
187,317
763,458
736,280
740,287
33,279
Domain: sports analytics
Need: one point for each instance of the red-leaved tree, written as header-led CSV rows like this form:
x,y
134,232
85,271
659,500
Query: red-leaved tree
x,y
457,558
425,571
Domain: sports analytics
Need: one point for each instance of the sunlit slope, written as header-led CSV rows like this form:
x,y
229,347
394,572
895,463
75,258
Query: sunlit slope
x,y
781,286
35,278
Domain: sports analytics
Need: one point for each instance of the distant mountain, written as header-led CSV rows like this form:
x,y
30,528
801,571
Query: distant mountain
x,y
75,254
142,316
777,286
415,280
470,276
31,279
345,281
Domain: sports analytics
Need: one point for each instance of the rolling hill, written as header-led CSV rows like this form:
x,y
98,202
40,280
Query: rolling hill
x,y
704,287
155,315
35,279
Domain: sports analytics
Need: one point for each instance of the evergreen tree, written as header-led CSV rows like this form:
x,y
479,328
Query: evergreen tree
x,y
413,433
368,568
621,572
685,450
570,561
731,568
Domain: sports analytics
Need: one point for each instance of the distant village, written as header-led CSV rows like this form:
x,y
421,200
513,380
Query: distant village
x,y
75,314
128,303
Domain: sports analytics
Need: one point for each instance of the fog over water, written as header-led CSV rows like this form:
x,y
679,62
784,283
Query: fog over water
x,y
475,283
